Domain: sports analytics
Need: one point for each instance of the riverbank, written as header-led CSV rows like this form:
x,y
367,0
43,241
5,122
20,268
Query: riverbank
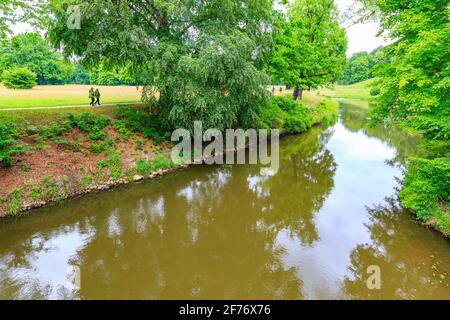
x,y
49,157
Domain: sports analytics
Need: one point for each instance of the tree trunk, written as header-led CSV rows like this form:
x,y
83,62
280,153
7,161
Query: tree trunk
x,y
298,93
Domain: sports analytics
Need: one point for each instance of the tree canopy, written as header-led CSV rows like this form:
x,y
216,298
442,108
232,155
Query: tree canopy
x,y
12,11
199,57
310,45
29,50
415,80
360,66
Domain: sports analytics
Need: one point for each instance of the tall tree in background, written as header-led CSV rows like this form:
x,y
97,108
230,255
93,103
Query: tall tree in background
x,y
415,83
31,51
360,66
310,47
200,60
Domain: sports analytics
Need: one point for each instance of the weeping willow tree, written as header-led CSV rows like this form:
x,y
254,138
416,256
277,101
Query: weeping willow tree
x,y
199,60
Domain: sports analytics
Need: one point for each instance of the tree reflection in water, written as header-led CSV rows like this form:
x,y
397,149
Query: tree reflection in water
x,y
409,269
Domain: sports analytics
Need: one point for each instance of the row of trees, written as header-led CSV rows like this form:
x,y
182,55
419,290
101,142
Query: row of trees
x,y
205,60
29,56
361,66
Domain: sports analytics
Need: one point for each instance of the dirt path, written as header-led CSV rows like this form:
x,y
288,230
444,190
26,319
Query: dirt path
x,y
73,106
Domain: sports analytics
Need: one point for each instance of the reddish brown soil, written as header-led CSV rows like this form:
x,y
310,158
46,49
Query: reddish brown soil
x,y
56,162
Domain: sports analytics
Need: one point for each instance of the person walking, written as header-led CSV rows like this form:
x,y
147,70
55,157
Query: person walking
x,y
91,96
97,97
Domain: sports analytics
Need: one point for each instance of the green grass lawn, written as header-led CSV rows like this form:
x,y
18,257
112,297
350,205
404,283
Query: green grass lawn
x,y
65,95
360,90
45,116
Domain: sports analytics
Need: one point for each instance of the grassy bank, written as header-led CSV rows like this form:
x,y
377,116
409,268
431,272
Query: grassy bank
x,y
64,95
71,154
426,191
293,117
360,90
51,155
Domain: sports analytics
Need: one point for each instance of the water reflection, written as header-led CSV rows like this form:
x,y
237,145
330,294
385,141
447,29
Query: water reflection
x,y
354,119
410,267
231,232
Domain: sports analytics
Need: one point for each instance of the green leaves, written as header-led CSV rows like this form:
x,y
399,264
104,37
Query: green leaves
x,y
30,51
310,46
198,60
415,82
18,78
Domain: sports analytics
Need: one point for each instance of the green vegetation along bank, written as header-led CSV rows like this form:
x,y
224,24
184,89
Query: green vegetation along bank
x,y
48,156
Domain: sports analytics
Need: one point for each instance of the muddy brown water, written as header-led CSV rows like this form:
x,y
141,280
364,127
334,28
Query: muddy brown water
x,y
309,231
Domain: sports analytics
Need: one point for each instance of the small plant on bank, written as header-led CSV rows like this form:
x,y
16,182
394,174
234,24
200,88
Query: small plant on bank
x,y
426,191
113,164
90,124
8,146
86,181
13,202
375,91
98,147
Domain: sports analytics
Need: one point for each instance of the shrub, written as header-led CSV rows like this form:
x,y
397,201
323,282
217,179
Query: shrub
x,y
8,146
285,103
285,114
89,122
137,120
19,78
272,117
297,121
325,113
426,190
375,91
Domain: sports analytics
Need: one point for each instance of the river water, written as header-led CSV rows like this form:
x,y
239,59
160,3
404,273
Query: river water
x,y
309,231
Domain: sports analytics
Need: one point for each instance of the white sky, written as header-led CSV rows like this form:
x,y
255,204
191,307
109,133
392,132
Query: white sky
x,y
361,37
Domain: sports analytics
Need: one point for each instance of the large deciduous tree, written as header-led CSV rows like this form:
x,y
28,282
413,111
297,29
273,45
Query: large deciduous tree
x,y
31,51
200,60
310,46
415,83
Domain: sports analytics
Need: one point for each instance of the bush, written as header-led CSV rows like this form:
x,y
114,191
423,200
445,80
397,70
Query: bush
x,y
285,114
272,117
285,103
19,78
90,124
426,190
297,121
8,146
375,91
137,120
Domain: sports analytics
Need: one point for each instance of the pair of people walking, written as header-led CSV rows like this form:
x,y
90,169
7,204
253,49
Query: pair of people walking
x,y
94,96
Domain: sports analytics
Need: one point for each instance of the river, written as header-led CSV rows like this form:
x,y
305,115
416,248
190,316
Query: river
x,y
309,231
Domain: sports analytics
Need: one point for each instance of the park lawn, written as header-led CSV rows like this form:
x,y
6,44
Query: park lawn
x,y
360,90
65,95
41,117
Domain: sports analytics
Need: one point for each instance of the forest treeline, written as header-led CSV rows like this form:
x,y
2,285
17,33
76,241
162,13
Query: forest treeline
x,y
34,53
